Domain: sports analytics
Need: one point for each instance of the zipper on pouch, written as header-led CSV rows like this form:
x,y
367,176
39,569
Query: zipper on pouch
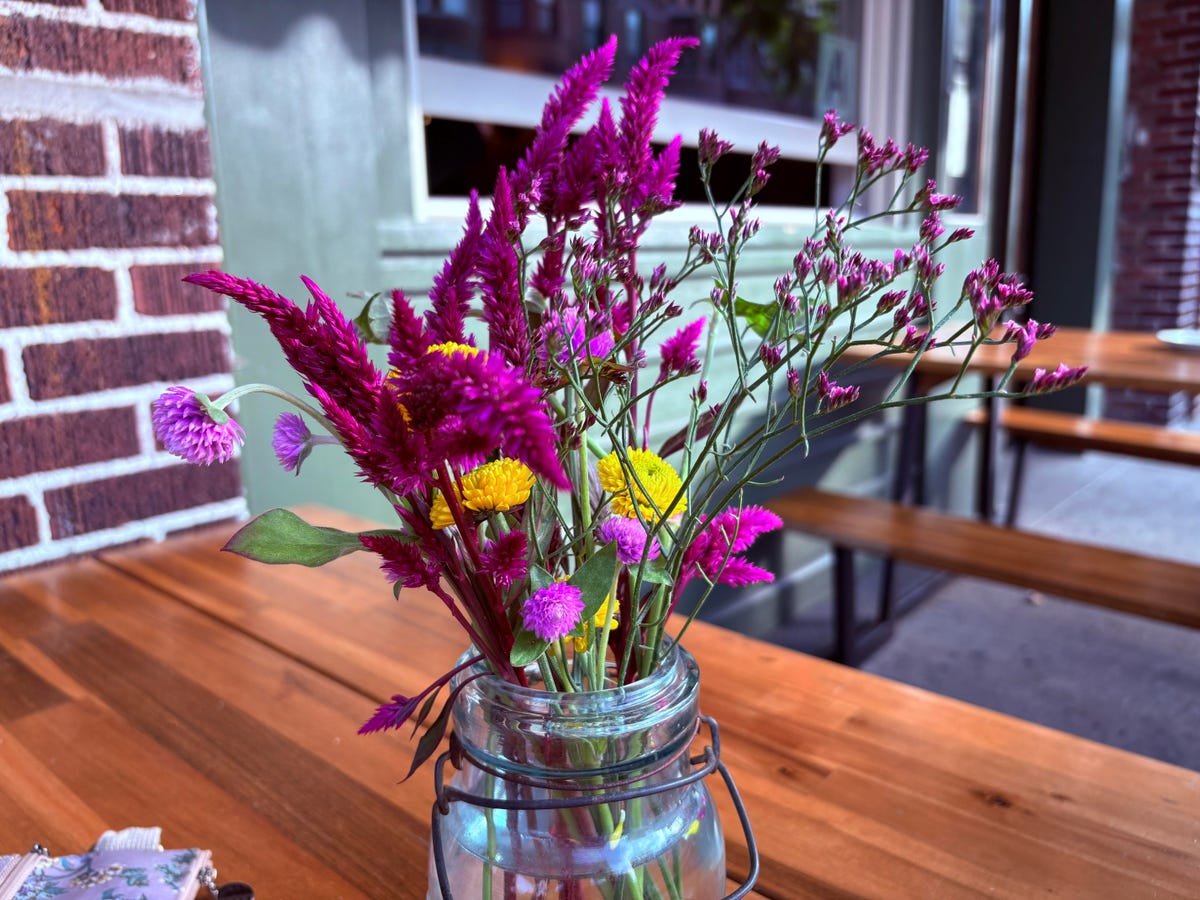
x,y
15,875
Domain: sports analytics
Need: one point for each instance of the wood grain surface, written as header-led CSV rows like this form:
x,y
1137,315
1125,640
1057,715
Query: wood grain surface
x,y
177,686
1124,359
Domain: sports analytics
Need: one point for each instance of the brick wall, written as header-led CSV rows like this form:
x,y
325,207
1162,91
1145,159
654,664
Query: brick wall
x,y
1157,259
106,200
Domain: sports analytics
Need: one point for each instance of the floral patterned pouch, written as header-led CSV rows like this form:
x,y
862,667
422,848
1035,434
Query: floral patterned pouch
x,y
129,865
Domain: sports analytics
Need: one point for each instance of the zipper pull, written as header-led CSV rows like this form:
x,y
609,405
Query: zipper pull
x,y
234,890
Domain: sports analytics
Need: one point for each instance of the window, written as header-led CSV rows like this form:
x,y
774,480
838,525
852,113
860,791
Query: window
x,y
765,70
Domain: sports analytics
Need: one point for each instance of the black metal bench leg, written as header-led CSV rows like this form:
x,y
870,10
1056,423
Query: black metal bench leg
x,y
845,624
1014,485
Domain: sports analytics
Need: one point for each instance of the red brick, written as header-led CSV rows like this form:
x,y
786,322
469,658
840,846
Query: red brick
x,y
49,147
35,43
5,395
45,443
109,502
57,220
157,151
83,366
161,291
184,10
18,523
44,296
60,2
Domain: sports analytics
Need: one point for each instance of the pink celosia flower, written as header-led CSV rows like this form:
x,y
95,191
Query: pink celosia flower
x,y
192,429
404,561
553,611
679,350
630,537
292,441
715,548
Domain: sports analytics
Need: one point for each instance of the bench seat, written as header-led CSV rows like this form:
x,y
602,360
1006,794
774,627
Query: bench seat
x,y
1157,588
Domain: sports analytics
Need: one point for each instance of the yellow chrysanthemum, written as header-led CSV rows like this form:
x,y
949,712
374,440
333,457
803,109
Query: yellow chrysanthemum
x,y
584,639
493,487
655,486
451,347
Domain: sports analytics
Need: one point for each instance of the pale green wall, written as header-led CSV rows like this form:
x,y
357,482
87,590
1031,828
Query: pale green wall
x,y
310,128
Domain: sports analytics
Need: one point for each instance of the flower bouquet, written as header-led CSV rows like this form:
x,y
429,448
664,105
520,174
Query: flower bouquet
x,y
513,433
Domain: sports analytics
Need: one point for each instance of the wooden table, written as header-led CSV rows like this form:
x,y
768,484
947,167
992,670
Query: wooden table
x,y
1130,360
173,685
1133,360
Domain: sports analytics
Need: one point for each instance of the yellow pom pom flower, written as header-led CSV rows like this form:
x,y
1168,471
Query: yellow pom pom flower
x,y
493,487
583,640
451,347
659,483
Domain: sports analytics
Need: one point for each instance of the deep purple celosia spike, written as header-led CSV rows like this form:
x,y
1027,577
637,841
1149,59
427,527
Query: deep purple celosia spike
x,y
346,371
403,561
407,338
452,288
660,182
576,178
566,106
639,107
503,308
321,345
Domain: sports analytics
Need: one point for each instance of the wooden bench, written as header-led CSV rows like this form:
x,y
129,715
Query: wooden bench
x,y
1128,582
1065,431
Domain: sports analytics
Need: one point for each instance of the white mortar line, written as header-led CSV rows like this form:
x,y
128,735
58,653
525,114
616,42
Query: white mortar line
x,y
108,184
23,407
53,479
91,98
18,389
126,314
155,528
97,16
112,150
110,257
105,328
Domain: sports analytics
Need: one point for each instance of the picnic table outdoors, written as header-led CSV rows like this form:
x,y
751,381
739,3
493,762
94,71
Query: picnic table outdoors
x,y
173,685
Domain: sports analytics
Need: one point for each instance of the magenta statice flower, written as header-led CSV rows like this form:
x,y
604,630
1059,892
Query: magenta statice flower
x,y
192,429
833,395
1064,376
553,611
630,537
833,128
292,441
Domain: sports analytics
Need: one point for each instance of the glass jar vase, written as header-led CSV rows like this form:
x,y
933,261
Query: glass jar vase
x,y
579,795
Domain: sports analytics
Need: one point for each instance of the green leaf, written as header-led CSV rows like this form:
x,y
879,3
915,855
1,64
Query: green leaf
x,y
526,648
595,578
656,571
431,738
280,536
375,320
758,316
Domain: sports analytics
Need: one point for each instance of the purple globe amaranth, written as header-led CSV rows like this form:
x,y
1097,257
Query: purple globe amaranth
x,y
553,611
630,537
292,441
192,429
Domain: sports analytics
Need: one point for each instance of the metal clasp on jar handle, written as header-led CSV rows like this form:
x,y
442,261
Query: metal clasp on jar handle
x,y
706,762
